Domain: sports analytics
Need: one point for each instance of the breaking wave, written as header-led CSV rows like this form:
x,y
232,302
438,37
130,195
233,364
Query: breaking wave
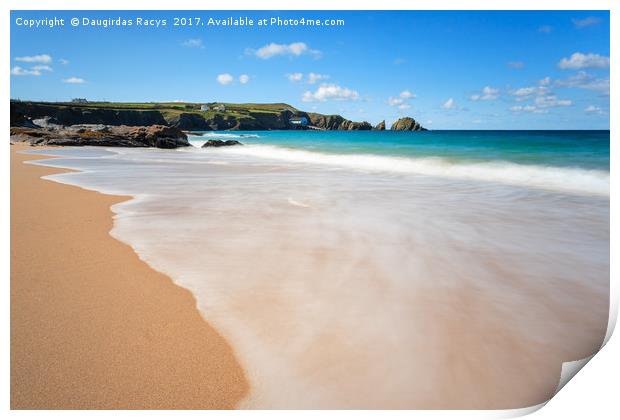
x,y
574,180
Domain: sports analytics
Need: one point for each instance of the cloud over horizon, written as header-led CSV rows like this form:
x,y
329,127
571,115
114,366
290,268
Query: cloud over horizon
x,y
449,104
402,100
224,78
327,92
41,58
488,93
74,80
20,71
583,61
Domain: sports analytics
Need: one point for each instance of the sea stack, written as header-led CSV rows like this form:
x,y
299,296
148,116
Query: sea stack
x,y
407,124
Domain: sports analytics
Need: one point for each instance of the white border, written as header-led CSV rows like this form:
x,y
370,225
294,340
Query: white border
x,y
593,394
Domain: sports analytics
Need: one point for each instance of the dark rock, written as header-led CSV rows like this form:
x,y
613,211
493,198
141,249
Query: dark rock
x,y
380,126
407,124
159,136
220,143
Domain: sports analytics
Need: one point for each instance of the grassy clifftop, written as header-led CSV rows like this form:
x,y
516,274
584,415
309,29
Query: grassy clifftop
x,y
172,110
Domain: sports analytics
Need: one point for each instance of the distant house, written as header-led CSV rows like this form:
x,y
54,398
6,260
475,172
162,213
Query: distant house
x,y
79,100
219,107
298,121
204,107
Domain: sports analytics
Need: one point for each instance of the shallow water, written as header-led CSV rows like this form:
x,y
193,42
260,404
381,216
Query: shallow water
x,y
348,281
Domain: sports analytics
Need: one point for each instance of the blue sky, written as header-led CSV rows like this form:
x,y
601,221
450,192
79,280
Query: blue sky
x,y
448,70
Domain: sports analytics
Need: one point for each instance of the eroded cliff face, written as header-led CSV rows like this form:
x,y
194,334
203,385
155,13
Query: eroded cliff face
x,y
407,124
22,112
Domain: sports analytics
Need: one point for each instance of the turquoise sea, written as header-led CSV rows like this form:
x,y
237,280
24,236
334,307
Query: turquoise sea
x,y
579,149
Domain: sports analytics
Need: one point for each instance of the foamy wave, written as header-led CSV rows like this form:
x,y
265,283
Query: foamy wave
x,y
545,177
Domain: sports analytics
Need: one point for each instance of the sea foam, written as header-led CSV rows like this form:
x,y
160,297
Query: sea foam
x,y
538,176
354,282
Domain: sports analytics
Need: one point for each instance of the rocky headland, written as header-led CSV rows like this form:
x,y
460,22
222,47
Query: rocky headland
x,y
163,125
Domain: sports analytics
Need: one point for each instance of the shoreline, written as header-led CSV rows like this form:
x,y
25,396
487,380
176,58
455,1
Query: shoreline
x,y
92,325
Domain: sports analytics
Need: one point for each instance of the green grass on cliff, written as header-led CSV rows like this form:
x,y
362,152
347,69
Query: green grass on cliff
x,y
171,110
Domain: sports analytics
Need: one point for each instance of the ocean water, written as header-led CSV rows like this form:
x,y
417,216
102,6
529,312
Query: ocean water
x,y
378,270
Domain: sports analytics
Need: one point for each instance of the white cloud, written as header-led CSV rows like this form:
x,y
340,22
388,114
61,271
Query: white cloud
x,y
315,77
528,108
544,82
528,92
449,104
584,80
41,58
63,61
582,61
405,94
193,43
516,64
74,80
591,109
295,77
294,49
401,100
42,67
244,78
551,101
545,29
19,71
588,21
327,92
393,101
525,91
488,93
224,78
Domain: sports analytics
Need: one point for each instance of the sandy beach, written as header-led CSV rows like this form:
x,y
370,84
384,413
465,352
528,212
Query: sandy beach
x,y
93,326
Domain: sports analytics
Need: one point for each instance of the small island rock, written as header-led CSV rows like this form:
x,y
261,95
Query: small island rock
x,y
220,143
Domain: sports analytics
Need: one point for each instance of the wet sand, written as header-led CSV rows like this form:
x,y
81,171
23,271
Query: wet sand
x,y
93,326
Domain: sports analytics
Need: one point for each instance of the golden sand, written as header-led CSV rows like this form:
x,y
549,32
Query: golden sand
x,y
93,326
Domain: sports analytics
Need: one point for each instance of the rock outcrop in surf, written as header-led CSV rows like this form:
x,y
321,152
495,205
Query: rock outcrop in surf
x,y
159,136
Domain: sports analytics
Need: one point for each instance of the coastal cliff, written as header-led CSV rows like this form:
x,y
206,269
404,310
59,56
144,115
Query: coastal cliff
x,y
185,116
24,112
162,125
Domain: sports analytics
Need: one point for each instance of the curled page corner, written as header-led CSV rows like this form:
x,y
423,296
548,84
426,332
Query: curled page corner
x,y
570,369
